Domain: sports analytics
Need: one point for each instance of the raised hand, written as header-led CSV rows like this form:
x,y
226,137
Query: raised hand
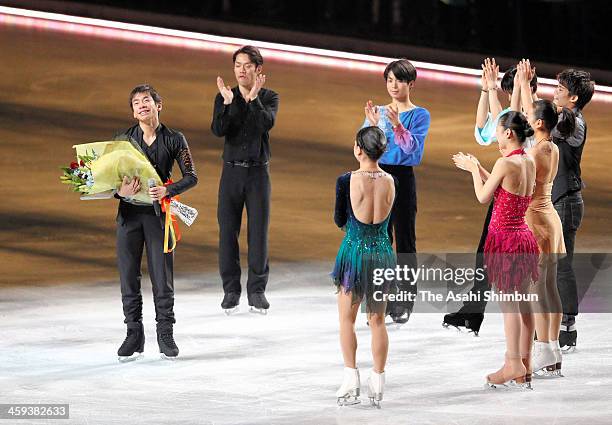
x,y
260,80
372,113
393,115
521,73
226,91
491,70
483,79
525,68
530,70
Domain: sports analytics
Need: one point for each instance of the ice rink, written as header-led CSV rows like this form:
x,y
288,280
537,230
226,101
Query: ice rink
x,y
59,346
61,320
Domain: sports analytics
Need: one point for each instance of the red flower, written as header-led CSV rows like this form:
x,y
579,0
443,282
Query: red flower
x,y
82,163
74,165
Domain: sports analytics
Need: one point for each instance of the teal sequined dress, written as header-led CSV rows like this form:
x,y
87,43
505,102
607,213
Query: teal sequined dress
x,y
365,247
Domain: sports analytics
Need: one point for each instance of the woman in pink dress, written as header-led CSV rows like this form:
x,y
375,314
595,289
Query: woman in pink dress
x,y
511,251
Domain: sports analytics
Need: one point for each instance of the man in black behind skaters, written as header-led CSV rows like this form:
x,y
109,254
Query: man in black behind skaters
x,y
244,115
139,225
575,90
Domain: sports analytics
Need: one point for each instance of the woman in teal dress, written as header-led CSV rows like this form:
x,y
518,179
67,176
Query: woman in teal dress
x,y
364,200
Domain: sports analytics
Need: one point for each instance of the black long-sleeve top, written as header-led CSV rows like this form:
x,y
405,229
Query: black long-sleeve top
x,y
169,146
245,126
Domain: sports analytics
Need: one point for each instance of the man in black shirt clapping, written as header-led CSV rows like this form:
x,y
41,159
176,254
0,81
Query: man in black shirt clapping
x,y
244,115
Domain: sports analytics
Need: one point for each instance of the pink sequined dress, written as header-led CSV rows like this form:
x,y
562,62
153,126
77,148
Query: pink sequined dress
x,y
511,250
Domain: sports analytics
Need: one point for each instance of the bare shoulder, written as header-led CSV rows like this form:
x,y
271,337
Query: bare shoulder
x,y
502,163
545,148
389,177
553,147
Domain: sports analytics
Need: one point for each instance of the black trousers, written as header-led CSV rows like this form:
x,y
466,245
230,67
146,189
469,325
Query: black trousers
x,y
402,228
480,285
571,211
240,186
138,227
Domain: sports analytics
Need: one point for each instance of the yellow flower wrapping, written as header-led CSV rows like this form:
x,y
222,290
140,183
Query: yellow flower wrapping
x,y
116,159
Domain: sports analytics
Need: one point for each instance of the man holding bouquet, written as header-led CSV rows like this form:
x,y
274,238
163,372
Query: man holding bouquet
x,y
140,225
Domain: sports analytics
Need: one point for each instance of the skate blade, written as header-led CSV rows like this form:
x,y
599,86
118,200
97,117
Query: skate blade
x,y
568,349
262,311
164,357
230,311
459,330
128,359
449,326
375,401
348,401
545,374
509,386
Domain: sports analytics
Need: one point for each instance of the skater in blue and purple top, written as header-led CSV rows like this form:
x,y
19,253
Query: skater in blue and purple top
x,y
405,125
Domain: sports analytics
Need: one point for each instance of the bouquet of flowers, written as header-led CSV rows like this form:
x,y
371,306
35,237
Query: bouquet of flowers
x,y
100,167
99,170
78,174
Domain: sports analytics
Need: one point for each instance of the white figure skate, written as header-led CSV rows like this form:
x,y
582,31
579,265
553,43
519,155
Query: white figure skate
x,y
348,393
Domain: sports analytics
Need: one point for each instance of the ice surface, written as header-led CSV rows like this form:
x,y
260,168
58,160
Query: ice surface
x,y
59,346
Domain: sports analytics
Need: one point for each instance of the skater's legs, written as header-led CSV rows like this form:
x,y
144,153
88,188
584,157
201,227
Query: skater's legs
x,y
403,223
347,313
513,365
130,244
554,302
512,332
229,216
571,212
160,270
481,281
257,202
527,333
513,327
380,341
542,305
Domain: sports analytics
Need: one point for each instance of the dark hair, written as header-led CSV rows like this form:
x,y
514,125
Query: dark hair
x,y
373,142
578,83
516,122
252,52
402,69
145,88
507,81
546,111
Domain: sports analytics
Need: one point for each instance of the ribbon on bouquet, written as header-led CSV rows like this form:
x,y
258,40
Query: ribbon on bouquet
x,y
171,225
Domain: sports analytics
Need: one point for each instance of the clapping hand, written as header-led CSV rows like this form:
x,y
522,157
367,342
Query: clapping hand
x,y
372,113
226,91
260,80
467,162
393,115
